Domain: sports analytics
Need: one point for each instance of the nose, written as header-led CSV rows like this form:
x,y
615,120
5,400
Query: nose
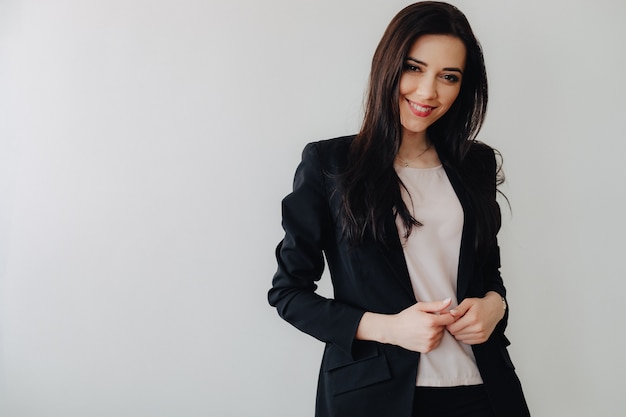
x,y
427,88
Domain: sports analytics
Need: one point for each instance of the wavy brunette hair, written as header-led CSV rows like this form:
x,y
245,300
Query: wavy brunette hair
x,y
370,185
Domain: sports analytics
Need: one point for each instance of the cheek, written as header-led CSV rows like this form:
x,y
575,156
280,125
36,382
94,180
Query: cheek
x,y
404,86
451,97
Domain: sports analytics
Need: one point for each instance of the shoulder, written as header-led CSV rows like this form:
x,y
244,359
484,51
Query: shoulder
x,y
480,154
480,161
332,146
331,153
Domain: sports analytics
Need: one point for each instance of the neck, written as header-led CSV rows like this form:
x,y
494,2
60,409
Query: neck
x,y
417,151
413,145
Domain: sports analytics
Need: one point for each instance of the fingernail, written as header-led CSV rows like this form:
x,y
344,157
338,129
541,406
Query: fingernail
x,y
453,311
447,300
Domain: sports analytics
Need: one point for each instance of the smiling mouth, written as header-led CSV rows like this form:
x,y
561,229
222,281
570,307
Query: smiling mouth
x,y
420,110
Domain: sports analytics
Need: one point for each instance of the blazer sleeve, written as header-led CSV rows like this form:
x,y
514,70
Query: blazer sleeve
x,y
308,229
491,268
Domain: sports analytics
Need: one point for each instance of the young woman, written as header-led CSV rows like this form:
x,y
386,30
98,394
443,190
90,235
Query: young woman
x,y
405,213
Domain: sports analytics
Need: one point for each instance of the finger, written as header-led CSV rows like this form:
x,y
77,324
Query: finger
x,y
433,306
448,318
435,344
459,326
444,320
432,343
462,308
471,338
461,331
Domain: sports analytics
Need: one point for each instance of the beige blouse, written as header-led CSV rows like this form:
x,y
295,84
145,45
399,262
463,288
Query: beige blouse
x,y
432,256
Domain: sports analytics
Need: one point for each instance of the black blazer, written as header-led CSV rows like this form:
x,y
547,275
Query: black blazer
x,y
364,378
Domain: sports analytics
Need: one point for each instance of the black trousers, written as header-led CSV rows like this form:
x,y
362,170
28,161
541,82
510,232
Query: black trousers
x,y
463,401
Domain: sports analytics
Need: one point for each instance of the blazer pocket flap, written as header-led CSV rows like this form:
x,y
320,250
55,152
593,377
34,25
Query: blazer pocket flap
x,y
336,358
360,374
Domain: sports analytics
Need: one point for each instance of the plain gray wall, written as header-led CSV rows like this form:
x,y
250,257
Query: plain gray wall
x,y
145,148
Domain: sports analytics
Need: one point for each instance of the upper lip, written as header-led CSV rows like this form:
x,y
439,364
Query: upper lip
x,y
420,104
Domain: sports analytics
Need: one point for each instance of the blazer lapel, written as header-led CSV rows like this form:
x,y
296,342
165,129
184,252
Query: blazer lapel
x,y
393,254
466,256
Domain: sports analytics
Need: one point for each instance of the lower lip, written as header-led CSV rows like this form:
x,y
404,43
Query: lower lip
x,y
419,113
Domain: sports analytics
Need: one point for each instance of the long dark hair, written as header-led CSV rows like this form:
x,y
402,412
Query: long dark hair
x,y
370,186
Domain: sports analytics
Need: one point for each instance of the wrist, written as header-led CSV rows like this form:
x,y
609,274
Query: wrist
x,y
498,301
374,327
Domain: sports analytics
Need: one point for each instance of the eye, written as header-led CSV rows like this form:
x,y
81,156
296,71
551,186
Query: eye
x,y
409,66
451,78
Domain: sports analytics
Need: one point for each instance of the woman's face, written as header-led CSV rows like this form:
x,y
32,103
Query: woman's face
x,y
430,82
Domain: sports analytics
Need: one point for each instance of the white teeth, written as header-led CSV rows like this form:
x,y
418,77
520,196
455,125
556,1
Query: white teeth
x,y
420,108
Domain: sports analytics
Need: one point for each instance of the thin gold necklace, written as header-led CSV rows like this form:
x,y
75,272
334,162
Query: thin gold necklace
x,y
406,164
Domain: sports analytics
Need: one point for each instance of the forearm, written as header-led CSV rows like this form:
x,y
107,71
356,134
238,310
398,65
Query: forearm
x,y
374,327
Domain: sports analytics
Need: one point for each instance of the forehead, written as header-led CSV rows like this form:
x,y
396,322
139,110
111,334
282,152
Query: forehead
x,y
439,50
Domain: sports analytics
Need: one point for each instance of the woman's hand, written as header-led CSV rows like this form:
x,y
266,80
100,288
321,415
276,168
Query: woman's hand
x,y
420,327
476,318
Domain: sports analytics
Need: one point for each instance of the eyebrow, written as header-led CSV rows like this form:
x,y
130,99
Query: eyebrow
x,y
417,61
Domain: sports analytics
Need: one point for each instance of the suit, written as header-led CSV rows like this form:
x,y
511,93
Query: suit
x,y
365,378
